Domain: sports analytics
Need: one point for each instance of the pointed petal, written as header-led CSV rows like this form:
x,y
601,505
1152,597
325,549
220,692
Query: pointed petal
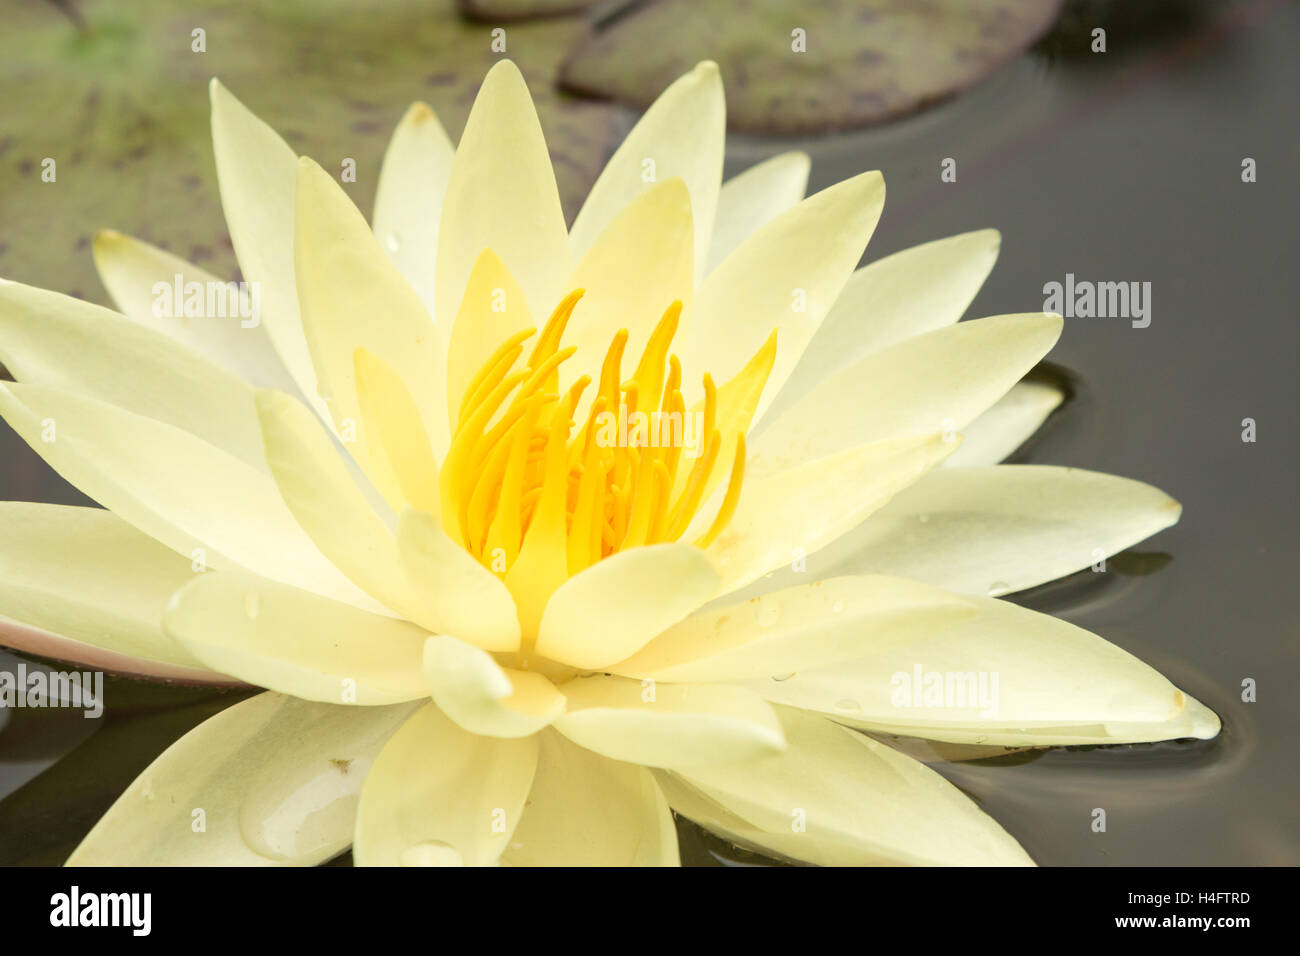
x,y
939,381
1006,425
397,443
230,334
682,134
408,200
56,340
176,488
585,810
784,276
326,502
837,798
611,609
453,593
754,198
785,516
493,309
1003,528
1007,676
667,725
353,297
256,171
483,697
83,585
893,299
637,267
502,196
814,625
276,780
295,642
441,795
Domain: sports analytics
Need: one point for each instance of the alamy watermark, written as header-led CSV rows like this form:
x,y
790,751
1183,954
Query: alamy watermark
x,y
208,300
651,430
955,690
1084,299
82,690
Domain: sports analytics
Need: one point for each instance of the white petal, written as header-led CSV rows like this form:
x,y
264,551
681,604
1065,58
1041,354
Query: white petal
x,y
295,642
667,725
176,488
1003,528
483,697
754,198
935,382
56,340
837,798
632,273
502,196
786,516
439,794
408,199
1007,425
611,609
256,171
586,810
276,780
353,297
1008,676
813,625
681,134
230,334
895,298
326,502
451,592
786,276
85,586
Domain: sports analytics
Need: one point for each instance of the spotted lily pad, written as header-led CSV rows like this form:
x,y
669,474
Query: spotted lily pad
x,y
862,61
120,104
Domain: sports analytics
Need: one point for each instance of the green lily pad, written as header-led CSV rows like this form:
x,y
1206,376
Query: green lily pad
x,y
121,105
865,61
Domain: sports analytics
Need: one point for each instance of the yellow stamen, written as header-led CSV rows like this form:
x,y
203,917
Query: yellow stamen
x,y
537,500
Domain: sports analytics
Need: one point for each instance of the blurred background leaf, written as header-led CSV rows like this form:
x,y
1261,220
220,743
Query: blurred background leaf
x,y
114,93
867,61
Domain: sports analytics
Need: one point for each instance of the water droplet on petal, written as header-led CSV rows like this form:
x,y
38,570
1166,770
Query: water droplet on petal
x,y
781,677
848,706
837,607
923,518
393,242
252,605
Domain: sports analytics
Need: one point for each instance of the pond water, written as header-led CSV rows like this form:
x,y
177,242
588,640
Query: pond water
x,y
1121,167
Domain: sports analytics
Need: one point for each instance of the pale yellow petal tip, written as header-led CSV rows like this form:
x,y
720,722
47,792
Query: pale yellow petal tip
x,y
504,69
1205,722
417,113
707,70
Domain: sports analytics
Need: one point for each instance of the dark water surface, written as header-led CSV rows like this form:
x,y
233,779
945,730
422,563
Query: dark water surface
x,y
1117,167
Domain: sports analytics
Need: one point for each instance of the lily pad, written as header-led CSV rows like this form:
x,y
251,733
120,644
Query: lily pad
x,y
864,61
120,103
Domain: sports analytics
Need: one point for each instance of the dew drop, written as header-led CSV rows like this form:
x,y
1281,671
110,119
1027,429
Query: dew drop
x,y
393,242
923,518
252,605
837,607
848,706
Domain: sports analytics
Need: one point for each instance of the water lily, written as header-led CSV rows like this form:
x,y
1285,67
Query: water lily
x,y
491,626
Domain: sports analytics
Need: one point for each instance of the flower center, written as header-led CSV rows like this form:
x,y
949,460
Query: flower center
x,y
536,500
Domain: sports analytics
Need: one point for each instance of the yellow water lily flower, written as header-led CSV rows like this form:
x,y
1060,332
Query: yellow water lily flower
x,y
533,534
